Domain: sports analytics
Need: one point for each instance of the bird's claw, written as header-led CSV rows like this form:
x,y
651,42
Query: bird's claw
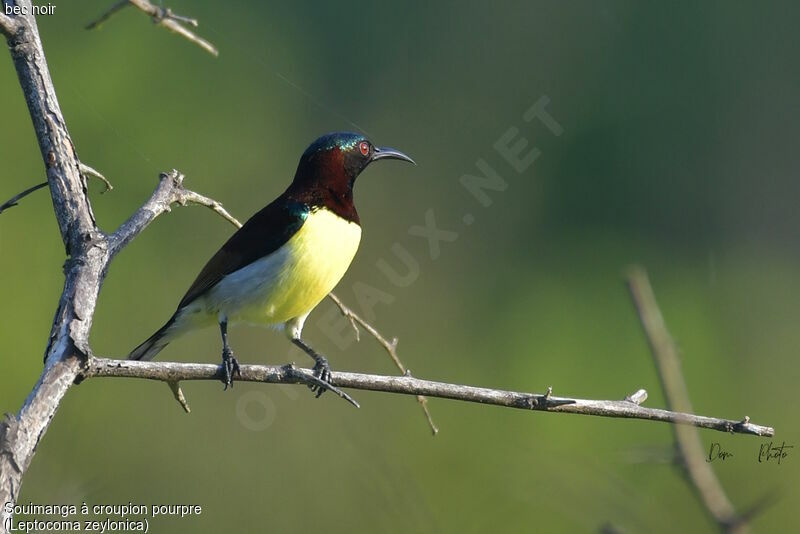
x,y
316,383
319,381
322,371
230,368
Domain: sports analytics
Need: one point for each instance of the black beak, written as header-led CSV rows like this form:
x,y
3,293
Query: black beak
x,y
385,152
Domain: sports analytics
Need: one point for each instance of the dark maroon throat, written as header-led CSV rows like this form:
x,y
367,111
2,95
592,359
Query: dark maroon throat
x,y
323,180
340,203
338,200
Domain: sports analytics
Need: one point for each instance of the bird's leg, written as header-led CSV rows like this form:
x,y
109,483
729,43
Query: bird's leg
x,y
321,381
230,366
322,368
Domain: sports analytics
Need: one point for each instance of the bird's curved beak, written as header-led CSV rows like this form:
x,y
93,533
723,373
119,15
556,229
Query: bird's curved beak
x,y
385,152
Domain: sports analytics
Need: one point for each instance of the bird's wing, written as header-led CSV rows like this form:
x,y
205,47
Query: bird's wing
x,y
263,234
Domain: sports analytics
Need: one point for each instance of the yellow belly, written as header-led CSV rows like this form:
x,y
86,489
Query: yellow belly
x,y
291,281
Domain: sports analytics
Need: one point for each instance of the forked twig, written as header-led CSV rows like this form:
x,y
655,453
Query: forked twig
x,y
162,16
390,346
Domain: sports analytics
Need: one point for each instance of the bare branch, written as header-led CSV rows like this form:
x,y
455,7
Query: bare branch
x,y
769,499
687,439
170,191
72,207
390,346
107,14
408,385
8,26
84,169
20,434
163,17
68,342
190,197
350,316
172,25
10,203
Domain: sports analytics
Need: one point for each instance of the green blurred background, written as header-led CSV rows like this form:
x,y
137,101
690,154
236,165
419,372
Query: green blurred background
x,y
679,152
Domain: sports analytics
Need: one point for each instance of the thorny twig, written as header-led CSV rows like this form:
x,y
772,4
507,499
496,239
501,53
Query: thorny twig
x,y
409,385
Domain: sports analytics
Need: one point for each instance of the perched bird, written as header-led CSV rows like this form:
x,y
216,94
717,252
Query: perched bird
x,y
277,267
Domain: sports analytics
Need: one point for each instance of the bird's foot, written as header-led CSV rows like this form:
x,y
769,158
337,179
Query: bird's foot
x,y
230,367
316,383
320,379
322,371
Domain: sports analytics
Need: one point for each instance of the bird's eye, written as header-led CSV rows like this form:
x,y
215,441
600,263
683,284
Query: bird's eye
x,y
363,146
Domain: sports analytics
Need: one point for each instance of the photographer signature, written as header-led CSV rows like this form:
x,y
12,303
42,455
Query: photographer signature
x,y
716,453
767,452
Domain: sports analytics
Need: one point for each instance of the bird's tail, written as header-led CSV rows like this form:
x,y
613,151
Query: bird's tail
x,y
154,344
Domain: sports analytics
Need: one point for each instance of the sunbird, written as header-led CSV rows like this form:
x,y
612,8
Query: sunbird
x,y
277,267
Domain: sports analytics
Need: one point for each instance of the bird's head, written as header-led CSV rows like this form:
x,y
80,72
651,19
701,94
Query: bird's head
x,y
335,160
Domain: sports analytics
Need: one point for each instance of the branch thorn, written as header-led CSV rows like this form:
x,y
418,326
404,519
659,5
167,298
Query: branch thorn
x,y
86,170
177,392
638,397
